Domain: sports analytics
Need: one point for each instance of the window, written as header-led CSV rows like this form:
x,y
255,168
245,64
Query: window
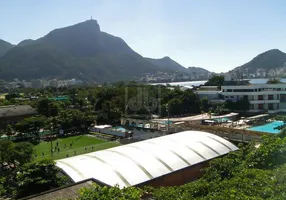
x,y
270,106
270,97
260,106
243,90
251,106
260,97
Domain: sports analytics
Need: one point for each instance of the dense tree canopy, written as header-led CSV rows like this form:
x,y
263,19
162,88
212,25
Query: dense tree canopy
x,y
37,176
14,154
105,193
253,172
31,125
216,80
21,174
249,173
239,105
273,81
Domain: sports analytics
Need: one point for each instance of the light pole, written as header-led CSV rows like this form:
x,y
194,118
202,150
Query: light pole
x,y
51,138
168,110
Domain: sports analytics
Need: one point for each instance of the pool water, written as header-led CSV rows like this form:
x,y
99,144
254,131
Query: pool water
x,y
268,128
220,120
119,128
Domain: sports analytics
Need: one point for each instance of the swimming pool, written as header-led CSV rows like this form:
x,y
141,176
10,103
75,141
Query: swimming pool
x,y
119,128
268,128
220,120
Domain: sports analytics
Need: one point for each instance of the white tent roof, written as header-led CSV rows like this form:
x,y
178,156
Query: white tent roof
x,y
258,116
102,126
139,162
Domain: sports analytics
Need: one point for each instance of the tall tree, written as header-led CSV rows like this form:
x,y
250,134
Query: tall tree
x,y
31,125
15,154
217,80
38,176
9,131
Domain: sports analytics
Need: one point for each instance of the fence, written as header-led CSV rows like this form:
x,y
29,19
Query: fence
x,y
228,133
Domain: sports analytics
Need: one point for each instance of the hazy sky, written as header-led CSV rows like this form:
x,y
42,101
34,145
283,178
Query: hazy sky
x,y
215,34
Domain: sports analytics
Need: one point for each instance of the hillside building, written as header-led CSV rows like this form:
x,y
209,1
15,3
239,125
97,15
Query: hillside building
x,y
269,98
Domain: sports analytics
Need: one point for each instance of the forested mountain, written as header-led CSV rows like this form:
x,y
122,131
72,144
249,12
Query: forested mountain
x,y
167,63
26,42
271,59
197,70
4,47
80,51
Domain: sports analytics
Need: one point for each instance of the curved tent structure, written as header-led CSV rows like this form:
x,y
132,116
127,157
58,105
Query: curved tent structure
x,y
140,162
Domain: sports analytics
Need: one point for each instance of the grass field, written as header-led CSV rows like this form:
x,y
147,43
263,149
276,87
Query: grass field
x,y
80,145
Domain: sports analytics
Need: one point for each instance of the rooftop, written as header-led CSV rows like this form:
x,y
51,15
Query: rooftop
x,y
65,192
139,162
197,117
12,111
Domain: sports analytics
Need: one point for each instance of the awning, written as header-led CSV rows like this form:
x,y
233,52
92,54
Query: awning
x,y
258,116
209,121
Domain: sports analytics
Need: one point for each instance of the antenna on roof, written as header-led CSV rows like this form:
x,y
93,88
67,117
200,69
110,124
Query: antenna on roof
x,y
91,18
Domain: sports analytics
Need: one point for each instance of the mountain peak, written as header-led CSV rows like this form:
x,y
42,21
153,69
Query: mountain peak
x,y
4,47
86,27
271,59
25,42
167,63
166,58
89,24
274,50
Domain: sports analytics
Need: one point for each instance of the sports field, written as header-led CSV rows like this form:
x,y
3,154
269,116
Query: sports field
x,y
71,146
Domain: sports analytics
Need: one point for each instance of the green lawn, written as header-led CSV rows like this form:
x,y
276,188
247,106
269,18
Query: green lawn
x,y
80,145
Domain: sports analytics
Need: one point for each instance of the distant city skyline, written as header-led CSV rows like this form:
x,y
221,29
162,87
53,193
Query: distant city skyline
x,y
215,35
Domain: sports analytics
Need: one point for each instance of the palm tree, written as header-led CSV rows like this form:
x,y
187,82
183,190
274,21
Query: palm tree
x,y
9,131
210,114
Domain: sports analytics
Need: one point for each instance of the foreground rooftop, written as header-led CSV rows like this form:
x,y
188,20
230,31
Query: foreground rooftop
x,y
139,162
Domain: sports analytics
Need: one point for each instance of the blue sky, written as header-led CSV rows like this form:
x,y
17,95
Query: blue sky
x,y
215,34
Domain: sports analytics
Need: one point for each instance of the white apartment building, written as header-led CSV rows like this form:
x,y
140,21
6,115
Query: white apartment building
x,y
269,98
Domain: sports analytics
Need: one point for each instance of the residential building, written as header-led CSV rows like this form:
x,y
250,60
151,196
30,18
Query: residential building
x,y
38,83
53,83
209,92
269,98
12,85
261,72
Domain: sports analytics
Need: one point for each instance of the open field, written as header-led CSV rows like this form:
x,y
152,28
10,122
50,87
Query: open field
x,y
80,145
